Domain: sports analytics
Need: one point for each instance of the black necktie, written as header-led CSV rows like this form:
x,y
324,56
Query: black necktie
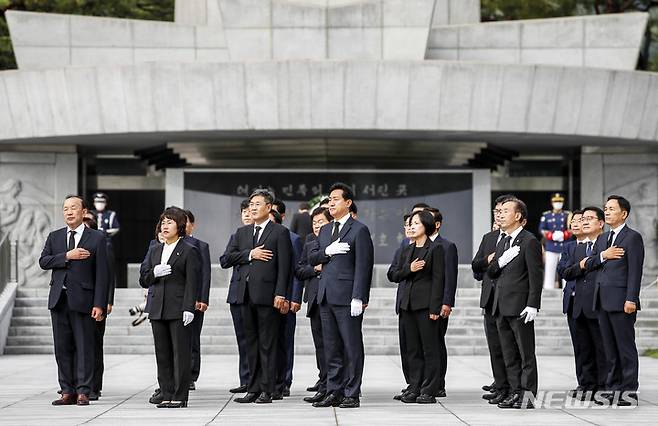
x,y
71,240
334,235
256,236
610,237
500,247
588,250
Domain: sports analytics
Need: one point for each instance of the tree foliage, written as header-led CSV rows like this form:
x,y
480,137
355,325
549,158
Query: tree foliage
x,y
157,10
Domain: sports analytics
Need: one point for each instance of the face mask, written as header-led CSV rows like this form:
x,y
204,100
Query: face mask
x,y
558,205
99,205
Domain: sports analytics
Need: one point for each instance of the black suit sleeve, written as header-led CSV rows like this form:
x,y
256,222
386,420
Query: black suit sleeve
x,y
635,257
398,271
146,277
480,261
535,266
565,260
304,271
233,256
363,263
438,278
284,262
49,259
192,268
204,290
101,283
451,269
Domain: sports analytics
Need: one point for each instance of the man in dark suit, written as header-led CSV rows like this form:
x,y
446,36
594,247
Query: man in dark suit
x,y
591,364
499,390
286,344
518,273
567,259
449,291
203,295
78,297
346,254
301,221
262,288
227,260
619,257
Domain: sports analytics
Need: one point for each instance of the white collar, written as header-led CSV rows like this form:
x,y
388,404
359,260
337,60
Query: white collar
x,y
172,244
514,234
619,228
343,220
262,225
78,231
434,236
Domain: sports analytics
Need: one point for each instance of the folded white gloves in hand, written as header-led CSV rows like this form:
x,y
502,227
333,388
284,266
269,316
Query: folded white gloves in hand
x,y
188,317
356,307
336,248
509,254
530,314
161,270
558,236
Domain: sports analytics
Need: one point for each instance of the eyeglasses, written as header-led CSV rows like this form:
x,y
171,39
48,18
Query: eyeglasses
x,y
588,218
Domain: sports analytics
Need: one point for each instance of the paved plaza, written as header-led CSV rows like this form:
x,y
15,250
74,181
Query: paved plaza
x,y
28,383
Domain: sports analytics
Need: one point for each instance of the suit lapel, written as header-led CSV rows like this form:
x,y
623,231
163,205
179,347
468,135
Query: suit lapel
x,y
621,236
265,233
346,228
178,250
85,236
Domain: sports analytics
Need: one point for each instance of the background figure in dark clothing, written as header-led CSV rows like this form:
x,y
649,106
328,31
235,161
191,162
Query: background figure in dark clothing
x,y
301,221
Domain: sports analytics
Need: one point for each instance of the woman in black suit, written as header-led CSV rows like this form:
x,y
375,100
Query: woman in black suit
x,y
172,278
310,275
421,264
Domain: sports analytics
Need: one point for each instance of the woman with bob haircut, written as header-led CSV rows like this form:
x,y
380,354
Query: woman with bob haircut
x,y
421,264
172,278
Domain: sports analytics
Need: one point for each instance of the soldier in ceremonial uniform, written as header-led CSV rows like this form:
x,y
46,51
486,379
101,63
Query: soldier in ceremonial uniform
x,y
107,220
554,227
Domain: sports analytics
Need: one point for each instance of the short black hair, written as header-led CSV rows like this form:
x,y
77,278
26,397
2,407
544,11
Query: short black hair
x,y
267,195
624,204
503,198
304,206
353,208
405,217
575,212
277,216
347,190
177,215
420,206
322,211
84,203
426,219
438,217
89,222
599,212
520,207
280,206
324,201
189,215
244,204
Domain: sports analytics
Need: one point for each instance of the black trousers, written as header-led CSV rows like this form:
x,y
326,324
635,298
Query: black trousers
x,y
238,327
495,352
618,333
74,336
343,347
173,350
318,342
423,351
261,328
518,342
594,366
99,365
443,351
577,354
196,325
285,351
403,349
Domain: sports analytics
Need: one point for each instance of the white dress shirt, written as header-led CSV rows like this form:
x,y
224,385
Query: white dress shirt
x,y
78,234
342,221
167,251
262,228
616,231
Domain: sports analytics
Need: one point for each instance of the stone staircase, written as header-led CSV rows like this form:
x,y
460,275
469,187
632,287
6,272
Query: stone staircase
x,y
31,333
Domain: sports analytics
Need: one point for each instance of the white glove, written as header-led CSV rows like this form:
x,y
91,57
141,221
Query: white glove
x,y
336,248
509,254
530,314
356,307
188,317
558,236
161,270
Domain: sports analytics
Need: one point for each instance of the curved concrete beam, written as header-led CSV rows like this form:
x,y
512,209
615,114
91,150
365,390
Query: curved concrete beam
x,y
330,98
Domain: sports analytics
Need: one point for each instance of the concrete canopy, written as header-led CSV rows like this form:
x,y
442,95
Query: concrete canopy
x,y
391,99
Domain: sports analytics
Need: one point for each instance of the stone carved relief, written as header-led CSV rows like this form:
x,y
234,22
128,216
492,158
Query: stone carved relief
x,y
24,217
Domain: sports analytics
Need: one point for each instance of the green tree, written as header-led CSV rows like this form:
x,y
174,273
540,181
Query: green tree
x,y
157,10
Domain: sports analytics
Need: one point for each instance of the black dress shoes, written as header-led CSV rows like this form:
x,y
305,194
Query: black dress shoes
x,y
331,400
316,398
264,398
441,393
286,392
510,401
489,396
314,388
350,403
66,399
239,389
277,396
409,397
500,397
192,386
398,397
163,404
426,399
177,404
156,398
93,396
248,398
488,388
